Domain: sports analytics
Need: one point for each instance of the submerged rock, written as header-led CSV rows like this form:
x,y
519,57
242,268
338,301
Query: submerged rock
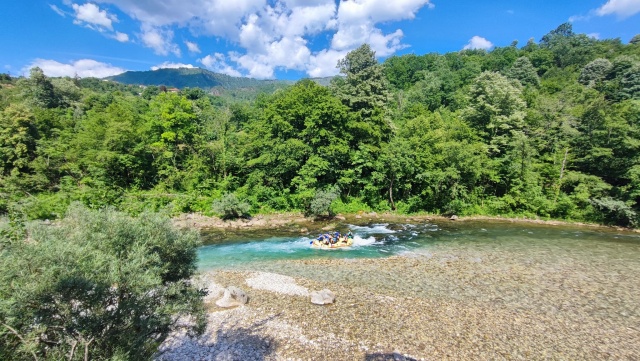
x,y
233,296
323,297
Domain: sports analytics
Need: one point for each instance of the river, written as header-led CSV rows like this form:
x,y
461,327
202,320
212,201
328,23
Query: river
x,y
573,291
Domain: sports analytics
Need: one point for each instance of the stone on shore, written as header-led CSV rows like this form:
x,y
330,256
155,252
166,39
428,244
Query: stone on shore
x,y
323,297
233,297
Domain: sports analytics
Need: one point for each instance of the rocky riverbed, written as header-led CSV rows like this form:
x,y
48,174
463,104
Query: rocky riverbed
x,y
473,303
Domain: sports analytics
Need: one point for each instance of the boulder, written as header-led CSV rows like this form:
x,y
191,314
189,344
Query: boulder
x,y
340,218
323,297
453,218
233,296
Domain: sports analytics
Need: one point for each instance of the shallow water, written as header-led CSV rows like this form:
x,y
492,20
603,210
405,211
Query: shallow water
x,y
577,271
243,249
565,291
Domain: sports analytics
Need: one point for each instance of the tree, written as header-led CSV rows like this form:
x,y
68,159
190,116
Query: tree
x,y
364,88
635,40
99,285
496,108
594,72
39,91
523,71
18,136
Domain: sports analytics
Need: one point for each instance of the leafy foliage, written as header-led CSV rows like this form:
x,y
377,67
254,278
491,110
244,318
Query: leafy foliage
x,y
541,130
98,285
230,207
320,205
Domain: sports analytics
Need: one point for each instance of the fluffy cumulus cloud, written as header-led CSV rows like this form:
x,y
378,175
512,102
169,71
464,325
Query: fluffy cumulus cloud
x,y
170,65
478,42
193,47
82,68
272,34
91,15
217,62
160,40
621,8
121,37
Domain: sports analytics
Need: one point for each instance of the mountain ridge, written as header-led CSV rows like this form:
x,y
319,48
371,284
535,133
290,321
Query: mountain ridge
x,y
200,78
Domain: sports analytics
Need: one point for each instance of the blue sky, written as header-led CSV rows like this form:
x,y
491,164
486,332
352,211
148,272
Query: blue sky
x,y
284,39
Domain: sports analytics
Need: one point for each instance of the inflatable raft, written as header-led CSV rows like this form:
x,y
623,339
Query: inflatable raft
x,y
343,242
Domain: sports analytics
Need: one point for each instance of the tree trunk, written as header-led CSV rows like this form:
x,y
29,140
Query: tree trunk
x,y
393,205
564,164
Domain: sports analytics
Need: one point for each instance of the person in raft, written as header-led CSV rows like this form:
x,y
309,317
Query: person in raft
x,y
349,235
327,239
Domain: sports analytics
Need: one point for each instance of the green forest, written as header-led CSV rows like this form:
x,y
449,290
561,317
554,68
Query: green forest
x,y
547,129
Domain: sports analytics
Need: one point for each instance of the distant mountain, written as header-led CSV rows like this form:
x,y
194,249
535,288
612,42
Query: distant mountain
x,y
193,78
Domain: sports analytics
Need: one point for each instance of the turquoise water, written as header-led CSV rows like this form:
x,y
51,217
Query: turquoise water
x,y
242,249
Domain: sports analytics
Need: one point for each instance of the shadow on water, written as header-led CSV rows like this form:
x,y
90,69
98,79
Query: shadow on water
x,y
394,356
229,342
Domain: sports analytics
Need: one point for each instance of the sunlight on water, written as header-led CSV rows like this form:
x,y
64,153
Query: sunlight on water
x,y
384,240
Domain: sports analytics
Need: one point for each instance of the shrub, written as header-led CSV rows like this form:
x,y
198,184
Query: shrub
x,y
613,211
320,205
230,207
98,283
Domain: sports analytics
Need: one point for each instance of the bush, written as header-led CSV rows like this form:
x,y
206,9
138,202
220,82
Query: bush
x,y
98,282
320,205
230,207
354,205
613,211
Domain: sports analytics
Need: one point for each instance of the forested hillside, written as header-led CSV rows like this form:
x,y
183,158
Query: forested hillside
x,y
193,78
548,129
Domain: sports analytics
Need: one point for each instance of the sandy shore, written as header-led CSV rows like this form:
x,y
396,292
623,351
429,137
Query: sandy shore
x,y
460,304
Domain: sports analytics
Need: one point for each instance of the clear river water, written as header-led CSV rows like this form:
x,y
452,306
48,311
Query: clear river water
x,y
245,249
573,291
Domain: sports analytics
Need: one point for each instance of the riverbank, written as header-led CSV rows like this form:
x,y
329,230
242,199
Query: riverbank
x,y
448,303
297,222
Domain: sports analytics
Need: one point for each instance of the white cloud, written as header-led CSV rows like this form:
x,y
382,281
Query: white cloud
x,y
621,8
357,21
273,34
209,17
58,11
217,62
92,15
324,63
594,35
82,68
193,47
357,11
478,42
170,65
121,37
160,40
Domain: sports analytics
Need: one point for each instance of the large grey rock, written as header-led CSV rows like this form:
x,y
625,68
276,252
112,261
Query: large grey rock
x,y
323,297
233,296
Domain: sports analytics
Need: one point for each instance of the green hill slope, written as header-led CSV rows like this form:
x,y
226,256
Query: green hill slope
x,y
193,78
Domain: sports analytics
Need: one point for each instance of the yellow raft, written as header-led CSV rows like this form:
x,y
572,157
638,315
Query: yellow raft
x,y
342,242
